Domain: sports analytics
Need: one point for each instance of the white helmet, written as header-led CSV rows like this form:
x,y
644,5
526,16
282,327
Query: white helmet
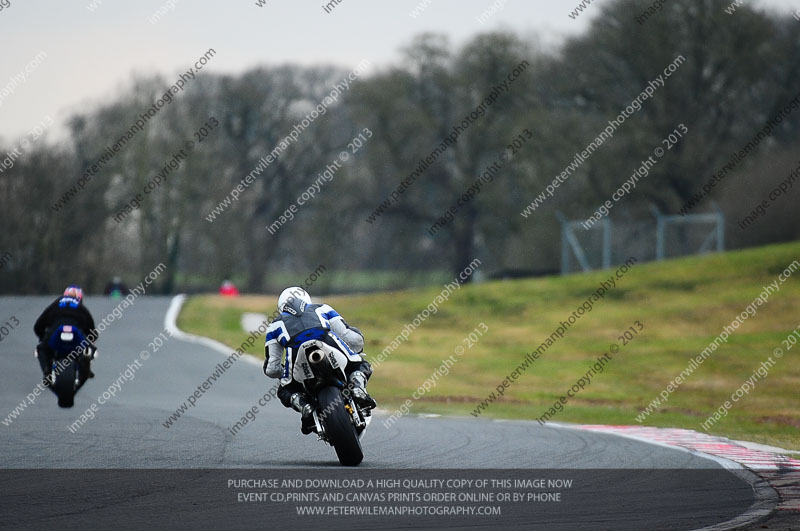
x,y
294,292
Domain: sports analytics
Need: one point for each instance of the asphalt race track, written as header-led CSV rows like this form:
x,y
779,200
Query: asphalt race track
x,y
128,434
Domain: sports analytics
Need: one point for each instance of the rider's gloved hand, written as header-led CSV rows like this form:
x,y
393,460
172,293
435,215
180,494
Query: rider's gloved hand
x,y
361,341
272,367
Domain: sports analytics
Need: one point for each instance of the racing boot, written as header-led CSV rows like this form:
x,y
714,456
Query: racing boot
x,y
86,363
47,373
301,405
86,366
358,384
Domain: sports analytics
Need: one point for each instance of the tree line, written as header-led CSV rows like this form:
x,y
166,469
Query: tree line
x,y
457,138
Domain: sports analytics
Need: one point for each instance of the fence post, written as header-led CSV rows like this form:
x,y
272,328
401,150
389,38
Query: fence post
x,y
659,232
720,227
606,243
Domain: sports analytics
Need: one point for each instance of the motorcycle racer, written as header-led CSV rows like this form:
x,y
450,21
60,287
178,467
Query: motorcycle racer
x,y
302,321
67,309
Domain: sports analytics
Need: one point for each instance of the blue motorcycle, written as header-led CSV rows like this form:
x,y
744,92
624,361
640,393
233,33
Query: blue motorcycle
x,y
65,362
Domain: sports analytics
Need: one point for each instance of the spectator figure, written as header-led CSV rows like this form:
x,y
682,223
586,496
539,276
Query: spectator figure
x,y
228,289
116,288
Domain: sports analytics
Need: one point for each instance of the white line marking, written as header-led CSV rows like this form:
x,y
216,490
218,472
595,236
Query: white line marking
x,y
251,321
170,323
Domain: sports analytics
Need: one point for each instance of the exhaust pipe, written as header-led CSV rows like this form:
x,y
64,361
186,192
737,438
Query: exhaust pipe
x,y
316,357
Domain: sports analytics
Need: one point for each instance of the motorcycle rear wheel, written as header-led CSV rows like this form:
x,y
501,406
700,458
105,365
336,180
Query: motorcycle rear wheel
x,y
339,428
64,386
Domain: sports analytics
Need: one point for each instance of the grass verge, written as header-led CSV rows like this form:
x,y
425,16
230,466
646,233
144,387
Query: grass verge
x,y
683,304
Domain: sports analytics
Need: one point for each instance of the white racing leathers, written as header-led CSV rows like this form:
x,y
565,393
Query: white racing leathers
x,y
303,322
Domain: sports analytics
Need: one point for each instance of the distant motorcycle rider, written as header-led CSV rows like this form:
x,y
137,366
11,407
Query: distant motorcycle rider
x,y
301,321
65,310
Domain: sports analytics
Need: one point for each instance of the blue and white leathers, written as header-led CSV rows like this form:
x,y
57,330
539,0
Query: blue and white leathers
x,y
301,322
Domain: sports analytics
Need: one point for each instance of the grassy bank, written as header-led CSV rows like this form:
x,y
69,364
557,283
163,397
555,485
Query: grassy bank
x,y
683,304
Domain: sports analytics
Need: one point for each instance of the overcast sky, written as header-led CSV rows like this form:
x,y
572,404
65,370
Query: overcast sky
x,y
91,55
